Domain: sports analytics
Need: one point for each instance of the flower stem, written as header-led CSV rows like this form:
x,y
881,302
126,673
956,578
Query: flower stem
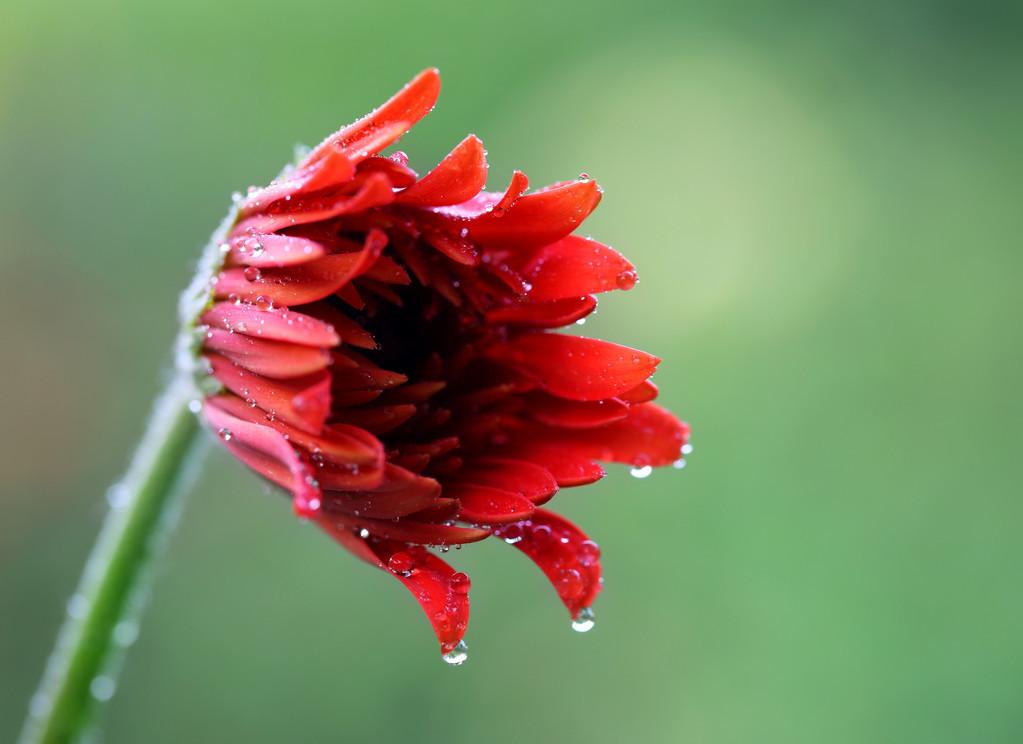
x,y
78,674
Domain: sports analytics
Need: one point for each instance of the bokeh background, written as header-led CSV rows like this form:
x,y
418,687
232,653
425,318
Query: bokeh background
x,y
823,200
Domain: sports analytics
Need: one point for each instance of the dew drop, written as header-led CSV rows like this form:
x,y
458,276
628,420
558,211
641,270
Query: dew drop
x,y
224,434
458,655
126,633
513,533
679,463
642,472
626,279
584,621
401,563
687,449
102,688
195,405
589,553
77,606
118,496
364,533
252,274
459,583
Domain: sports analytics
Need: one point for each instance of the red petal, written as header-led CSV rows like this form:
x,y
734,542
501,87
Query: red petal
x,y
459,177
489,201
577,368
339,443
644,392
486,505
422,533
385,125
374,191
574,414
648,435
518,476
298,285
553,314
568,468
268,358
575,266
269,453
272,325
538,218
333,170
379,419
303,402
399,494
567,557
426,576
270,251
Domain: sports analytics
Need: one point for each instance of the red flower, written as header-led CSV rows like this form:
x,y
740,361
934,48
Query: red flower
x,y
384,346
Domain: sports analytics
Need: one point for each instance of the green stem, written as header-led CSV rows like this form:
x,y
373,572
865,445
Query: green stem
x,y
78,673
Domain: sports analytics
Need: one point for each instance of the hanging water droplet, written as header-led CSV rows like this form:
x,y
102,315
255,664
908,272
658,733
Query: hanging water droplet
x,y
642,472
687,449
584,621
102,688
626,279
679,463
458,655
224,434
512,534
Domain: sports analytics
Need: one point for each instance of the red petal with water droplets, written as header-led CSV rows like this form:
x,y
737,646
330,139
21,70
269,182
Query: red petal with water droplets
x,y
274,359
303,402
567,557
372,133
373,191
488,201
271,325
553,314
648,435
574,367
537,219
399,494
298,285
575,266
427,577
568,468
339,443
459,177
575,414
487,505
517,476
272,251
422,533
269,453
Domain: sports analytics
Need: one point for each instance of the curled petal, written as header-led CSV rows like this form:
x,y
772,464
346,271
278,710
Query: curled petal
x,y
537,219
273,251
487,505
575,414
577,368
489,201
298,285
372,133
554,314
268,358
517,476
648,435
334,169
271,325
567,557
427,577
269,453
575,266
303,402
459,177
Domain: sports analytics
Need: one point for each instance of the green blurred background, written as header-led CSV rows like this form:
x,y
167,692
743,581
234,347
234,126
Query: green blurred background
x,y
823,200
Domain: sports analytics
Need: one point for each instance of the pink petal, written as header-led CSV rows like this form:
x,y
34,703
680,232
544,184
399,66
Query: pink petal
x,y
269,251
272,325
274,359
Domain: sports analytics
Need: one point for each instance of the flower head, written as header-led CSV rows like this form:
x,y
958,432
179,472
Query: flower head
x,y
385,348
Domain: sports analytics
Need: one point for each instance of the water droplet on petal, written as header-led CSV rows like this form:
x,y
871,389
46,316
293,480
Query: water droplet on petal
x,y
584,621
459,583
642,472
679,463
252,274
458,655
224,434
589,553
626,279
364,533
687,449
401,563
